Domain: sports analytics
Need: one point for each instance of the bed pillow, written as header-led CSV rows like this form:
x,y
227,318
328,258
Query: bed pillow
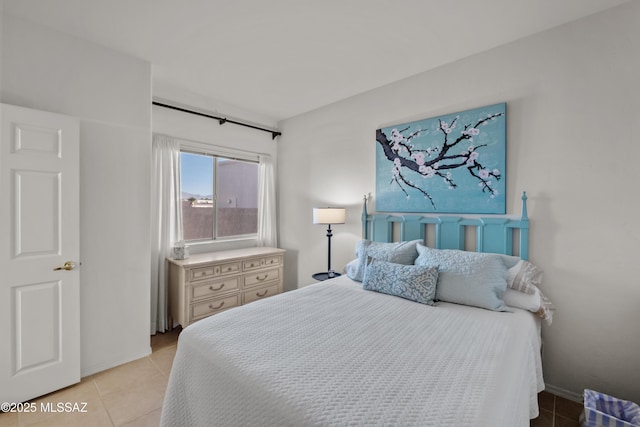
x,y
469,278
535,302
522,275
399,253
350,266
412,282
525,301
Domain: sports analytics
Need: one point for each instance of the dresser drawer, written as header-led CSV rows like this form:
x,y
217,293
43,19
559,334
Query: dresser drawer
x,y
261,277
208,272
229,268
207,308
211,289
259,293
203,273
252,264
272,261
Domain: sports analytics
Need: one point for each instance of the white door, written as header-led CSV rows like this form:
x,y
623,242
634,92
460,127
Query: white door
x,y
39,231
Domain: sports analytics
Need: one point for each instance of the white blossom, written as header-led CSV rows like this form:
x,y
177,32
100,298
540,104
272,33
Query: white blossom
x,y
396,136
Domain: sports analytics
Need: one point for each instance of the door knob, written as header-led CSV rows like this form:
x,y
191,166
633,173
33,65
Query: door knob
x,y
69,265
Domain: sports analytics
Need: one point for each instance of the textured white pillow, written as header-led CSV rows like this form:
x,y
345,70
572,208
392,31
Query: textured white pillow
x,y
524,276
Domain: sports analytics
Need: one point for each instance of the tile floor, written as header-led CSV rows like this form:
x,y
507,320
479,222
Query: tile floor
x,y
131,395
556,411
127,395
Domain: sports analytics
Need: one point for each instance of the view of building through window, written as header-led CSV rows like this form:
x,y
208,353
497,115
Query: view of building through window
x,y
219,197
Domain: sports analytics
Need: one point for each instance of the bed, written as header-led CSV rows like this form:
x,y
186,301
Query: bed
x,y
336,353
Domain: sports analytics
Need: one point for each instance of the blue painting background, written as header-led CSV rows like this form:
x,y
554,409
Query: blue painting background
x,y
468,196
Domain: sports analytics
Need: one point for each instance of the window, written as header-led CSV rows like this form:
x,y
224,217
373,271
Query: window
x,y
219,197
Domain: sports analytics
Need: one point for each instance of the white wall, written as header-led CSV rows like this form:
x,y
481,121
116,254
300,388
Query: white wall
x,y
111,94
208,132
573,114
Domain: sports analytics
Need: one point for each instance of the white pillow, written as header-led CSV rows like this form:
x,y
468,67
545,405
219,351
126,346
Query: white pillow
x,y
531,302
522,275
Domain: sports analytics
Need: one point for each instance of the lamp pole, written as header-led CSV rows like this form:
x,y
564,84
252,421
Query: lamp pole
x,y
329,234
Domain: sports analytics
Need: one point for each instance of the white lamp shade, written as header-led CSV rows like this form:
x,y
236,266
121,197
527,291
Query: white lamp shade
x,y
328,215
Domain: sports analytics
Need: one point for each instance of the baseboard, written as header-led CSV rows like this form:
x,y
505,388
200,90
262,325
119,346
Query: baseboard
x,y
576,397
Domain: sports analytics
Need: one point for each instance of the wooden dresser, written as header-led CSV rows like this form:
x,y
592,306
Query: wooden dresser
x,y
208,283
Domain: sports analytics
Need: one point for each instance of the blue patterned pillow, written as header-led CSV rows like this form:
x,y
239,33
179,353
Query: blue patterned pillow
x,y
399,253
412,282
469,278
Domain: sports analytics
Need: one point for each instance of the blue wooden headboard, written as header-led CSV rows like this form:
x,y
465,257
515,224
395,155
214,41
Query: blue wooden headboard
x,y
493,234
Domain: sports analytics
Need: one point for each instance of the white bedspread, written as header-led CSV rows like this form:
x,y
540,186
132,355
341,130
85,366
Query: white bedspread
x,y
334,354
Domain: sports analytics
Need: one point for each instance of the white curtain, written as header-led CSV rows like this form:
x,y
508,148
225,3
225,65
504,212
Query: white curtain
x,y
166,220
267,229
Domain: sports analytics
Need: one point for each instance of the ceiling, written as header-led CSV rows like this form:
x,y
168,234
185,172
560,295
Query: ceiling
x,y
281,58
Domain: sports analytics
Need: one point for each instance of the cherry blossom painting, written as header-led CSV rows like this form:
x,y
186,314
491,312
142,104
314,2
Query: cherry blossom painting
x,y
454,163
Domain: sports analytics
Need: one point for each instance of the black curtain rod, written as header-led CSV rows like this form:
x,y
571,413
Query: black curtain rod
x,y
221,120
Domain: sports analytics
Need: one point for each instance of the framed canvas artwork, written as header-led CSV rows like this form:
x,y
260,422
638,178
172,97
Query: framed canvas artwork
x,y
453,163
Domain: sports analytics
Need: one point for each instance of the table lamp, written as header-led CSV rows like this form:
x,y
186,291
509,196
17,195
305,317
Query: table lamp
x,y
328,216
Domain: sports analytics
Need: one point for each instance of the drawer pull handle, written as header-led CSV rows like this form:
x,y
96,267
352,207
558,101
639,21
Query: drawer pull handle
x,y
266,291
229,268
211,288
262,278
215,308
